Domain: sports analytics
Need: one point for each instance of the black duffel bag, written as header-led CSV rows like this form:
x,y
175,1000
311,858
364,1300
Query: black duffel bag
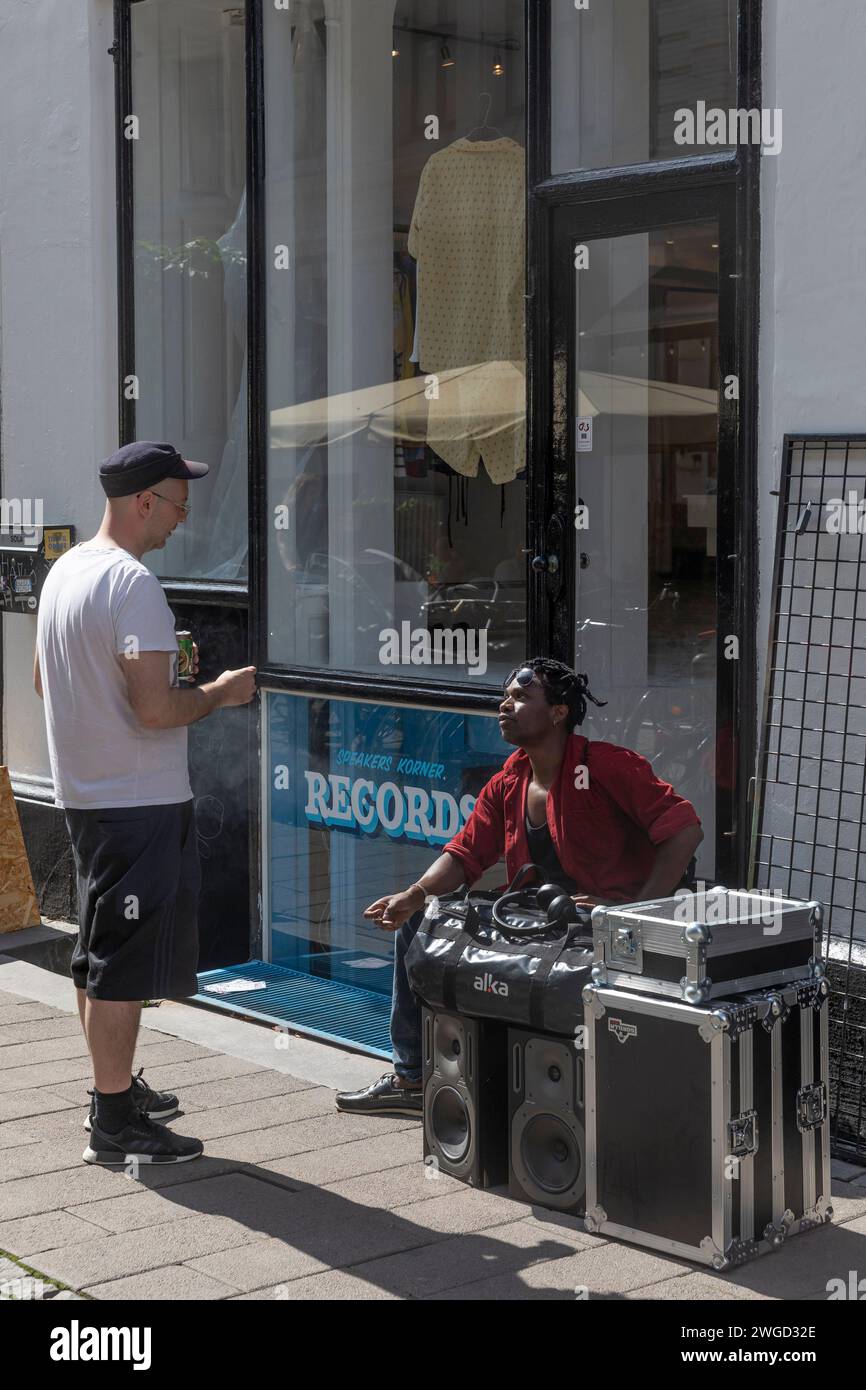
x,y
523,957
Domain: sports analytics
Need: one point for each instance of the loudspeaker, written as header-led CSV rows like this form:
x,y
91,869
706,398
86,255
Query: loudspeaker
x,y
547,1140
465,1097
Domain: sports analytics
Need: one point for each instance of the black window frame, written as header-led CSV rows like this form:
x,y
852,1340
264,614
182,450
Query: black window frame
x,y
734,176
546,630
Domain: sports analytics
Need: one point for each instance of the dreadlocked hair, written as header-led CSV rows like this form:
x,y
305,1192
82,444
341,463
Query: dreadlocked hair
x,y
562,686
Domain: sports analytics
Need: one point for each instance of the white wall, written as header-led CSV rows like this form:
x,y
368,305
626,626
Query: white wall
x,y
812,375
58,342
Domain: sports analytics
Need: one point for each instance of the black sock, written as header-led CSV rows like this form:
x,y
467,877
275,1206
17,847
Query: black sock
x,y
113,1110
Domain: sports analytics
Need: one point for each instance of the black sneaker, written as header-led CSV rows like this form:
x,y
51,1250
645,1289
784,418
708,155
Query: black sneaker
x,y
157,1104
140,1141
384,1097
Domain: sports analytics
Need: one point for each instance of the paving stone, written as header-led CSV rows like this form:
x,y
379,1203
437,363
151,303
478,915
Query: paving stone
x,y
322,1236
457,1213
5,996
130,1211
105,1257
49,1050
39,1030
613,1268
698,1288
256,1085
846,1172
849,1202
27,1010
585,1275
46,1156
163,1074
239,1196
332,1285
465,1259
150,1038
89,1182
44,1232
260,1115
157,1285
261,1263
14,1134
397,1187
303,1136
569,1229
17,1105
366,1155
58,1124
59,1073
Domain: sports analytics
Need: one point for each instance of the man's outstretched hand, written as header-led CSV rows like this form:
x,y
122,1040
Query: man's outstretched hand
x,y
391,912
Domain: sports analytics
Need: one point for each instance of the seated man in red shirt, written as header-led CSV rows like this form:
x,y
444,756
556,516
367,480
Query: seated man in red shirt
x,y
592,816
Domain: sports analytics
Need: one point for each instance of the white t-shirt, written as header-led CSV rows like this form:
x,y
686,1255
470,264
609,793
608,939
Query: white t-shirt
x,y
93,602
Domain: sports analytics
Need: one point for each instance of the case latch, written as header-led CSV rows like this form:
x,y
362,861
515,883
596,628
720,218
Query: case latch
x,y
743,1134
625,946
811,1106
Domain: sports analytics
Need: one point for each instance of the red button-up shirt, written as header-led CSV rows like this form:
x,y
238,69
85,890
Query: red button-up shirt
x,y
604,832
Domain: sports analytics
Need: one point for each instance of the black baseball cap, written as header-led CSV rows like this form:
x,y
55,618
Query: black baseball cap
x,y
137,467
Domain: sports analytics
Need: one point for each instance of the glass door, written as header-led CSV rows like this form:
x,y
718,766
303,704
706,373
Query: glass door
x,y
644,447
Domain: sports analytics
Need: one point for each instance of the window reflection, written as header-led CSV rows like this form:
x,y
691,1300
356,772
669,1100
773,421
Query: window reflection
x,y
396,331
621,71
647,391
190,258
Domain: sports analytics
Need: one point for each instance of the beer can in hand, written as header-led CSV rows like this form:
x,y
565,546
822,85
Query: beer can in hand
x,y
184,656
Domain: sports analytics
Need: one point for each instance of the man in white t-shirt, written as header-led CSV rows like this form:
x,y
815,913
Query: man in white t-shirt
x,y
106,666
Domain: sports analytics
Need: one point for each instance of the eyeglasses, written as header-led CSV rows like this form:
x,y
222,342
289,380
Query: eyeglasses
x,y
185,507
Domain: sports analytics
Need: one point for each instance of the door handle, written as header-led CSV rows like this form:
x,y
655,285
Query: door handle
x,y
545,564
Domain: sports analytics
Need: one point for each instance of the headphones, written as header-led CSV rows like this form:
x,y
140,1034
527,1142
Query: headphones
x,y
558,908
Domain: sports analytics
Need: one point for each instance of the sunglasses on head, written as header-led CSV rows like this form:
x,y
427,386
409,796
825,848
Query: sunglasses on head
x,y
524,675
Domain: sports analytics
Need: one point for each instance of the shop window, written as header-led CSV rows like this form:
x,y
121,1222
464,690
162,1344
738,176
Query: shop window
x,y
621,70
190,259
362,800
395,195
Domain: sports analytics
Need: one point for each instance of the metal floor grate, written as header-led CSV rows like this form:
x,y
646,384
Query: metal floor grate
x,y
809,818
339,1013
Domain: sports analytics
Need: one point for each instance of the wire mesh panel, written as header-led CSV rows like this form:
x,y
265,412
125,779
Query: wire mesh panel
x,y
808,831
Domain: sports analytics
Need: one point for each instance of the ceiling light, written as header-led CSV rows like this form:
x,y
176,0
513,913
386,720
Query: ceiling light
x,y
447,60
499,66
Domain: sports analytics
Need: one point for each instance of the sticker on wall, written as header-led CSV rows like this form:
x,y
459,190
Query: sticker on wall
x,y
584,434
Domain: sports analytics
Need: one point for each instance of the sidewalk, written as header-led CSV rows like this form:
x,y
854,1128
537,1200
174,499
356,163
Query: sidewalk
x,y
291,1199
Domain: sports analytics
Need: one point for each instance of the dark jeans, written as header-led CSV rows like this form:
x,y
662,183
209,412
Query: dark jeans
x,y
405,1008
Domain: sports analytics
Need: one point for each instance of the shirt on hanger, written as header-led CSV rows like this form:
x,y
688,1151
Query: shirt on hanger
x,y
467,235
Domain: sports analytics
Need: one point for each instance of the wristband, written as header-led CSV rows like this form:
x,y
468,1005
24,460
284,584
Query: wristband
x,y
419,886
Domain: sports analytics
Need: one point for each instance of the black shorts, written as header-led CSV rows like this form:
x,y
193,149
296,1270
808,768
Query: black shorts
x,y
138,887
